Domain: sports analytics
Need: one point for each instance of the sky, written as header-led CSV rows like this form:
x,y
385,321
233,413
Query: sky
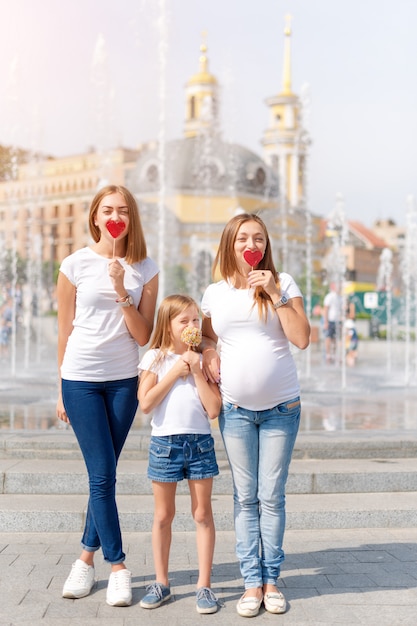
x,y
100,72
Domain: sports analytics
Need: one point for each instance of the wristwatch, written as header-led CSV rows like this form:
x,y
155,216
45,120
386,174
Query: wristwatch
x,y
127,300
283,300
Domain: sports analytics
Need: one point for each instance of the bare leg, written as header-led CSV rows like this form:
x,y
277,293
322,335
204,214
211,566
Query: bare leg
x,y
200,491
87,557
164,512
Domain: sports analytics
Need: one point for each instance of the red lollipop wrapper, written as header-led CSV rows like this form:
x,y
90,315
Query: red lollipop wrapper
x,y
252,258
115,228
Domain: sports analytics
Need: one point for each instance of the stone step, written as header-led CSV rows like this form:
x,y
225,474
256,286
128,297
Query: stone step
x,y
54,513
61,444
309,476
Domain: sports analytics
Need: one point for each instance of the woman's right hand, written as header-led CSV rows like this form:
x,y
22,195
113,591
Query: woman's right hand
x,y
60,410
211,365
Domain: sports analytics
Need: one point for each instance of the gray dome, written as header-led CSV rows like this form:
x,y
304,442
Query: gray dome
x,y
204,164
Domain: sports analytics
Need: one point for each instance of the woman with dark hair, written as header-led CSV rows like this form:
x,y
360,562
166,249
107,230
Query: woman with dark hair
x,y
106,305
255,313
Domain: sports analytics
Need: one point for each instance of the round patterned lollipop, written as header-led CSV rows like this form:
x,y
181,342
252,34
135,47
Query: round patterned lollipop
x,y
191,336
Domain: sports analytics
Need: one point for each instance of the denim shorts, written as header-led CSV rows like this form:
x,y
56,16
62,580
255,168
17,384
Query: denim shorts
x,y
176,457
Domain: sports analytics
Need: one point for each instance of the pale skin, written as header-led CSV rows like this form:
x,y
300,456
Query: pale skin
x,y
292,316
150,394
139,321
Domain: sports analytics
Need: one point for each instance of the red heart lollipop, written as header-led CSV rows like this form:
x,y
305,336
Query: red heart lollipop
x,y
252,258
115,228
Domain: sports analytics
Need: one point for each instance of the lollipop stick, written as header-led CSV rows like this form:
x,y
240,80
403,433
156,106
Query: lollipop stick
x,y
114,247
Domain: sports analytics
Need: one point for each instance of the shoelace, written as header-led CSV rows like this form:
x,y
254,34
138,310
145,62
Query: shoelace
x,y
78,574
121,579
207,593
155,589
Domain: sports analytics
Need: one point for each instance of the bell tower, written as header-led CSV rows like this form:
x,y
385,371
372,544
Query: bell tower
x,y
284,141
201,95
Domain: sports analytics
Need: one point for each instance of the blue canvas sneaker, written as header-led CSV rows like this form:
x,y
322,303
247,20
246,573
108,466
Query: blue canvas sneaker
x,y
206,601
157,594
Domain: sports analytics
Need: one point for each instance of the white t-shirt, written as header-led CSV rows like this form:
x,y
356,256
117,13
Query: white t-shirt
x,y
333,301
181,411
257,368
100,347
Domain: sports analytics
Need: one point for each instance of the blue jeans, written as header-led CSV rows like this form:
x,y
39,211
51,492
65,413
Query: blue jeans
x,y
101,415
259,445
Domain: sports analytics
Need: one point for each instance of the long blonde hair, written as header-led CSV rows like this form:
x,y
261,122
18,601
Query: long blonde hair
x,y
135,239
170,307
226,257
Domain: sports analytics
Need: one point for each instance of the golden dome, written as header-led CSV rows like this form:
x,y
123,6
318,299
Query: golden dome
x,y
203,76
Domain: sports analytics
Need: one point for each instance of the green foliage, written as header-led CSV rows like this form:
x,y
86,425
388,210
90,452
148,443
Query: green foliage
x,y
7,271
176,279
318,289
10,157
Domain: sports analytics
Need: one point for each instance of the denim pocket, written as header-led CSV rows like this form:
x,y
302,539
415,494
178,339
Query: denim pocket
x,y
159,450
227,407
159,456
206,452
290,407
206,446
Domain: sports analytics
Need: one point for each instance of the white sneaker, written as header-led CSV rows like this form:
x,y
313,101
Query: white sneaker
x,y
80,581
119,589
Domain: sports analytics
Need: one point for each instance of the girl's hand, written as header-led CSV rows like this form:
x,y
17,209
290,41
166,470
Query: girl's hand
x,y
193,360
181,367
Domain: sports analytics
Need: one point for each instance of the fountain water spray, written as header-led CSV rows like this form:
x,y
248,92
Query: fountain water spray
x,y
384,281
410,283
163,45
336,272
304,140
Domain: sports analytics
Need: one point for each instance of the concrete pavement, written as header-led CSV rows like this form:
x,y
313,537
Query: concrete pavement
x,y
359,576
351,540
337,571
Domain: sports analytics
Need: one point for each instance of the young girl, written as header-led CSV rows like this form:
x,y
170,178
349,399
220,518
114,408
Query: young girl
x,y
173,386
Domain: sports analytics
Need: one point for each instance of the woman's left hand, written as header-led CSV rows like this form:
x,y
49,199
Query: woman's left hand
x,y
117,274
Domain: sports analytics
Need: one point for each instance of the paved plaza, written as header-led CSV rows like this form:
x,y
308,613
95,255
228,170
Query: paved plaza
x,y
344,574
360,576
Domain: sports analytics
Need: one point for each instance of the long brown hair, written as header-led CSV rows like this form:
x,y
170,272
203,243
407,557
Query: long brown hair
x,y
226,257
170,307
135,239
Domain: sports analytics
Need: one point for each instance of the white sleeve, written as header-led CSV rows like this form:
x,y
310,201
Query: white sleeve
x,y
67,268
205,301
288,286
147,361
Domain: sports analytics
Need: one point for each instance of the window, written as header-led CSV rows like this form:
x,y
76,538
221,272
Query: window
x,y
192,107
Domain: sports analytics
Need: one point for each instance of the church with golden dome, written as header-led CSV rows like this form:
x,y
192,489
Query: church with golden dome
x,y
187,189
